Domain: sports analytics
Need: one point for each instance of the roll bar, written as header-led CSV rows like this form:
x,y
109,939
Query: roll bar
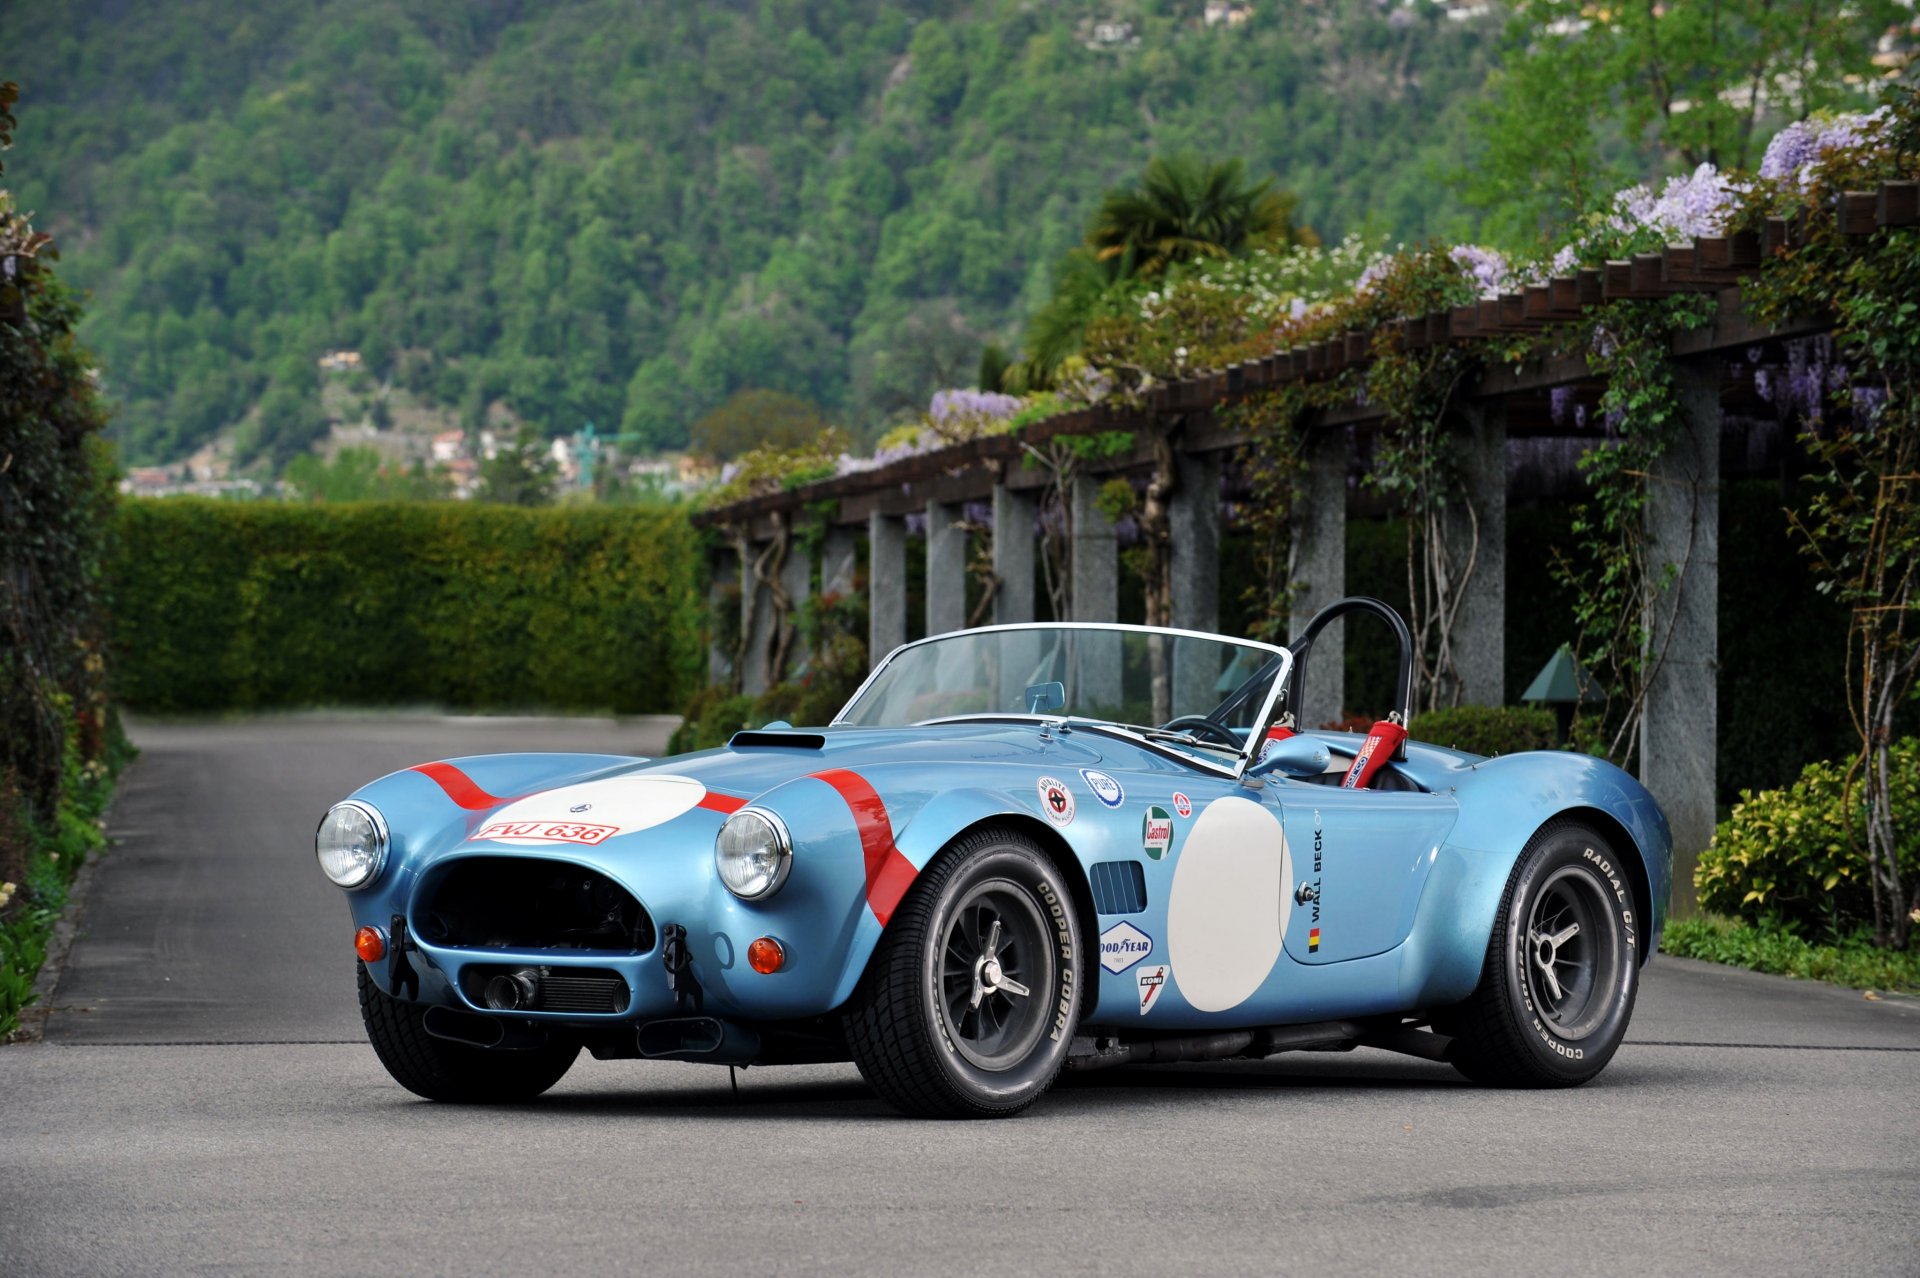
x,y
1302,646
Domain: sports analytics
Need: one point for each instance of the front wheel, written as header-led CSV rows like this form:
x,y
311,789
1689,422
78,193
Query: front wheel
x,y
969,1004
1562,968
442,1071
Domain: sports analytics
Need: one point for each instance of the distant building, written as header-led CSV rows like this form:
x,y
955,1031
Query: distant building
x,y
340,362
1226,13
449,445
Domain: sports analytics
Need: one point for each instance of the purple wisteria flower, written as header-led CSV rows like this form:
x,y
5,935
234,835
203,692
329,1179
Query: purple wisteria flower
x,y
1797,150
953,407
1562,400
1691,204
1488,268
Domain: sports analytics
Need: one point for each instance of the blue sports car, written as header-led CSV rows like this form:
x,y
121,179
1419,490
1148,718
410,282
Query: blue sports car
x,y
1017,850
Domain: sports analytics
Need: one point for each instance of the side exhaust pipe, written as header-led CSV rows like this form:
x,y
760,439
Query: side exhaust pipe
x,y
698,1038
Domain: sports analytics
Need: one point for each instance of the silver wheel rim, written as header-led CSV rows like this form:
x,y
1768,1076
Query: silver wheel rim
x,y
1569,956
991,974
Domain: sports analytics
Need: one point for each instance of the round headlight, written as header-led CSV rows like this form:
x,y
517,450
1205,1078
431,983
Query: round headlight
x,y
753,853
351,844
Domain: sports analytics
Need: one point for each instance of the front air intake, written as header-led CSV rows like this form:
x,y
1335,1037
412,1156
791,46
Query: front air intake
x,y
528,903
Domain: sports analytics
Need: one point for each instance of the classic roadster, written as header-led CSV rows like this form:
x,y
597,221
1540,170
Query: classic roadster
x,y
1017,850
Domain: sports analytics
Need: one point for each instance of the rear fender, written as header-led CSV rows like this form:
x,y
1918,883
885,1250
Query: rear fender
x,y
1503,803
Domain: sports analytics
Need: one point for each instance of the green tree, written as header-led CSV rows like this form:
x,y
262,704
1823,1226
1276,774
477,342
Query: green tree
x,y
1185,208
753,419
1588,97
520,473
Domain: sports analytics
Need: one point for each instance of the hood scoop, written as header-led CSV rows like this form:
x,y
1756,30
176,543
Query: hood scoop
x,y
789,740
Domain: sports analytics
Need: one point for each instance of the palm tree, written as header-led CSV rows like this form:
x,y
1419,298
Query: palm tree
x,y
1184,208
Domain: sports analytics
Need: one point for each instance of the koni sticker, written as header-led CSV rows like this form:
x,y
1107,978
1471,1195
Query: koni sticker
x,y
1152,981
1182,804
1156,832
1123,945
1056,800
1104,787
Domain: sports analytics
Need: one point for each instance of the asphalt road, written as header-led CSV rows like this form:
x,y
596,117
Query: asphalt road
x,y
203,1101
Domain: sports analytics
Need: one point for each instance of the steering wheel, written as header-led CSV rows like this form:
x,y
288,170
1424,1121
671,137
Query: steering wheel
x,y
1207,727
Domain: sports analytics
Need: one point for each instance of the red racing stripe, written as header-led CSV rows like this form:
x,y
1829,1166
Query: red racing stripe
x,y
459,786
888,872
725,804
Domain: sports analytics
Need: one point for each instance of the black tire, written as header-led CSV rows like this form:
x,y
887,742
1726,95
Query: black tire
x,y
443,1071
1568,909
930,1041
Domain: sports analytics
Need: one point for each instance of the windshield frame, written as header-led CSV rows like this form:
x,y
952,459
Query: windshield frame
x,y
1243,760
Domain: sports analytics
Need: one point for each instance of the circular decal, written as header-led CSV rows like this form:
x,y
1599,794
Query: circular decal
x,y
1156,832
1182,804
1104,787
1056,800
1228,908
592,812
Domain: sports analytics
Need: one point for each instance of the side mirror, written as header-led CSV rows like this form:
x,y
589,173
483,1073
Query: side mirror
x,y
1044,697
1296,756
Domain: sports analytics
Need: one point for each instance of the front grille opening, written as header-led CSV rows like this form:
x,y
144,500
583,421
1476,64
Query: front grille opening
x,y
510,988
521,903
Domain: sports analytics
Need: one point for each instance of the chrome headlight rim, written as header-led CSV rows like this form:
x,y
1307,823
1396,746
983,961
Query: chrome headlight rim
x,y
783,846
382,843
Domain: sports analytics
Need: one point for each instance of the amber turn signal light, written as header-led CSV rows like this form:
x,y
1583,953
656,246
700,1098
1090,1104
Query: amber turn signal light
x,y
369,944
765,956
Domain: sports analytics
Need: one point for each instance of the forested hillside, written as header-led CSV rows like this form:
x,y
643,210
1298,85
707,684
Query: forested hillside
x,y
622,212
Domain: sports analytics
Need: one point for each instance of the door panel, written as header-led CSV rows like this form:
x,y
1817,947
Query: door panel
x,y
1365,854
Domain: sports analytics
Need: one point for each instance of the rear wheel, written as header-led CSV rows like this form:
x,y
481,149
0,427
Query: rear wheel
x,y
969,1004
1562,968
443,1071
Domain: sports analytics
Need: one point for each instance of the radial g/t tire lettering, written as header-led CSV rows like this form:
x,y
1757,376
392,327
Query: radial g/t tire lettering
x,y
1562,967
443,1071
969,1003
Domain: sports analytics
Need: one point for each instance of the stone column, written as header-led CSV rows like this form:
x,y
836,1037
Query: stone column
x,y
796,578
1094,682
946,570
1093,589
1193,535
886,585
1679,734
839,561
1480,627
1319,572
722,582
756,623
1013,551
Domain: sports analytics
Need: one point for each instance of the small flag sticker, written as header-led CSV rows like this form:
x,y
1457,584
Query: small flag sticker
x,y
1313,941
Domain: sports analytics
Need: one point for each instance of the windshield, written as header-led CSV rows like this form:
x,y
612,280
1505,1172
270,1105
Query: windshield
x,y
1189,690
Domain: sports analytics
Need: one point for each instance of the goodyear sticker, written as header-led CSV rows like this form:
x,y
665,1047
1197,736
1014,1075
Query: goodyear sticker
x,y
1056,800
1123,945
1156,832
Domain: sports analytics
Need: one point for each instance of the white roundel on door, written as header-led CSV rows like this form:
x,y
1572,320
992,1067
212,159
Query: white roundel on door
x,y
1227,911
592,812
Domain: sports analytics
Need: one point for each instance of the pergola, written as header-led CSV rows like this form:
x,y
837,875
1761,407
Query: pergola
x,y
1508,407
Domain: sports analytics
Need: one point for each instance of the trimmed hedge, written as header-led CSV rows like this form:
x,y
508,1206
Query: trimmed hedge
x,y
1488,730
220,605
1788,856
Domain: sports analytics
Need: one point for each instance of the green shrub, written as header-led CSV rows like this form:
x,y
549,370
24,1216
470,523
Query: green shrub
x,y
220,605
1488,730
1853,961
1785,856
